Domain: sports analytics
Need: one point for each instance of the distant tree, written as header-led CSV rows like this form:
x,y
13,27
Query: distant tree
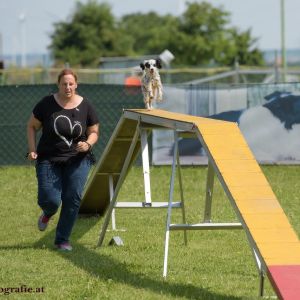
x,y
91,33
202,35
246,51
203,26
149,31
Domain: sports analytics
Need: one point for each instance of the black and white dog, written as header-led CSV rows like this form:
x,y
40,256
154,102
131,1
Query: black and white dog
x,y
151,83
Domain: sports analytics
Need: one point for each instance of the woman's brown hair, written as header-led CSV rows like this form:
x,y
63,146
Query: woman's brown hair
x,y
66,72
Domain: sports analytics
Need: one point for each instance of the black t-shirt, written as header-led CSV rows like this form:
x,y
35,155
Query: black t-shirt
x,y
62,128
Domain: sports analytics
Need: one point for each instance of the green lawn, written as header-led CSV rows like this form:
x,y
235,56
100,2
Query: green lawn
x,y
214,264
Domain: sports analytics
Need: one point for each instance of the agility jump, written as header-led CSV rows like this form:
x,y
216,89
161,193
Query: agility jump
x,y
274,243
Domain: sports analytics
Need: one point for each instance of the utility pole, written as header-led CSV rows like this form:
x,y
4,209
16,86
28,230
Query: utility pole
x,y
283,50
22,18
1,58
1,47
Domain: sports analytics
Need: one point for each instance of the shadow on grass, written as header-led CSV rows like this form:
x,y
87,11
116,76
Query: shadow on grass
x,y
107,268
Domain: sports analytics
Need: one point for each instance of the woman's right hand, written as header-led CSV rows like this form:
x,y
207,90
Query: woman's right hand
x,y
32,155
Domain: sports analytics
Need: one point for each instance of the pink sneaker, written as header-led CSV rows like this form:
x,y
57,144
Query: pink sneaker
x,y
64,246
43,222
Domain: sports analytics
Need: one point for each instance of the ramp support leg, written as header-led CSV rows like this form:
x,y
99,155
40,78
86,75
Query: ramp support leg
x,y
111,194
146,168
261,283
118,186
146,172
181,190
209,192
261,273
171,192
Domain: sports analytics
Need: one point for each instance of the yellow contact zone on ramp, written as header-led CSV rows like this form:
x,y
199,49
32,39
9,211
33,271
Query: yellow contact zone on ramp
x,y
258,209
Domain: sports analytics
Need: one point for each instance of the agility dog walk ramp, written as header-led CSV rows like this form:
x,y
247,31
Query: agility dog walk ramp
x,y
274,243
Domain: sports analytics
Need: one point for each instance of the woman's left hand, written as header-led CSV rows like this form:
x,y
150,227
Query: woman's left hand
x,y
83,147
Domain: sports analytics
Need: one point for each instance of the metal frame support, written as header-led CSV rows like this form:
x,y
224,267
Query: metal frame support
x,y
171,192
209,193
142,132
111,195
146,172
181,189
261,273
176,162
206,224
118,186
146,168
261,283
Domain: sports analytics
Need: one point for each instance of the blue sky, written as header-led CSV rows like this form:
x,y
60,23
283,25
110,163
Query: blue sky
x,y
32,20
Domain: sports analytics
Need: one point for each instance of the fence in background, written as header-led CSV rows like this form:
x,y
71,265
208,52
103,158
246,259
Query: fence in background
x,y
226,75
268,114
17,102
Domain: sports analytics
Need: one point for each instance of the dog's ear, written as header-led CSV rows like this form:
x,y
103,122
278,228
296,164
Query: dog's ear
x,y
158,63
142,66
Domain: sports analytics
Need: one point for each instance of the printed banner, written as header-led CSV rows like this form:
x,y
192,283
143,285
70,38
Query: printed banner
x,y
268,116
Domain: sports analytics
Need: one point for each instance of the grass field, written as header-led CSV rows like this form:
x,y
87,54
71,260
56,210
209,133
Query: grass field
x,y
214,265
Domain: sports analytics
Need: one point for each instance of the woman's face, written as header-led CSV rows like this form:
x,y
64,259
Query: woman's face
x,y
67,86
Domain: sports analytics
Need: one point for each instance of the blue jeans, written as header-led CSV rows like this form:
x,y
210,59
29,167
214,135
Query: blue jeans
x,y
62,184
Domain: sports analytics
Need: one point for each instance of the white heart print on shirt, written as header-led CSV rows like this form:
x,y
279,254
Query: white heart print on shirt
x,y
72,127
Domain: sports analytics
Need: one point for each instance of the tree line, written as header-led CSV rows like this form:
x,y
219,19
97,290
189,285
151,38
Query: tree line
x,y
202,35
